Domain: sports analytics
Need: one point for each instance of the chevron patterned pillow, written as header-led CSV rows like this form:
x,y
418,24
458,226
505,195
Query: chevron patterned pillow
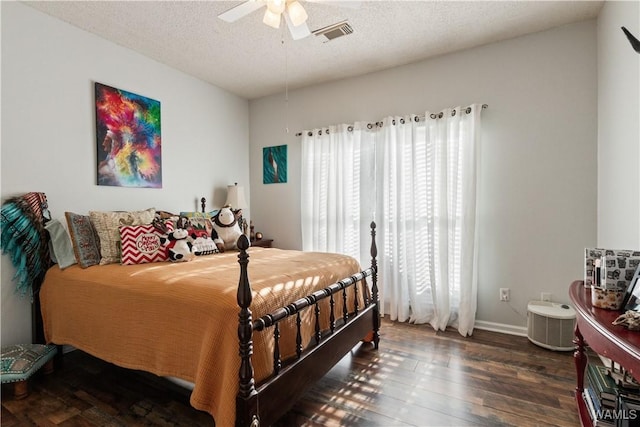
x,y
143,243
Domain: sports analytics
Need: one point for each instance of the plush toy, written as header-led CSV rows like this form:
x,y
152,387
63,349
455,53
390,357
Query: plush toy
x,y
217,240
179,247
226,225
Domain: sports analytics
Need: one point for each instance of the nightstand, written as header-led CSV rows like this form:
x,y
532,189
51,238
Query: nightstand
x,y
262,243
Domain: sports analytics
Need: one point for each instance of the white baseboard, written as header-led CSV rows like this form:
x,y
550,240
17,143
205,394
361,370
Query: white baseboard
x,y
501,327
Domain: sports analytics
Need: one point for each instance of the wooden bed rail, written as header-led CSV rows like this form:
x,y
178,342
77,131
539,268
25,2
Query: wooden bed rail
x,y
354,324
296,307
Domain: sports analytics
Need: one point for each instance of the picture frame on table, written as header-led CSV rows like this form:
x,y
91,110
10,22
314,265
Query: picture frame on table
x,y
631,299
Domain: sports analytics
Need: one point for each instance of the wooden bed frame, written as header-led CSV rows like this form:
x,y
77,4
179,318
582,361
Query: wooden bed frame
x,y
263,404
266,403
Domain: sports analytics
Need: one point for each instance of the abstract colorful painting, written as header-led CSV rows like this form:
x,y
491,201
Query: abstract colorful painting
x,y
128,139
274,164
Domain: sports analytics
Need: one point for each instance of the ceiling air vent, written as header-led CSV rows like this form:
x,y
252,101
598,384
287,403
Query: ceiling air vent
x,y
334,31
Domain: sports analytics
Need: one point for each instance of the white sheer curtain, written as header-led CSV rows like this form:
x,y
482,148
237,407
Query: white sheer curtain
x,y
337,173
427,173
422,174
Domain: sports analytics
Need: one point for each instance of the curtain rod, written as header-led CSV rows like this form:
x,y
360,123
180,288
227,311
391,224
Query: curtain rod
x,y
416,118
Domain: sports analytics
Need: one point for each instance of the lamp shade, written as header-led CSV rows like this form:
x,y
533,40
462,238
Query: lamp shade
x,y
235,197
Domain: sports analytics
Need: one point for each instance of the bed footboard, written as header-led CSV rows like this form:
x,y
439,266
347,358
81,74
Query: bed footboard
x,y
264,404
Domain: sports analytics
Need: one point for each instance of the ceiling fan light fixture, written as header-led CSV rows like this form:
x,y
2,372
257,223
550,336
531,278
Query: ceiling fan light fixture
x,y
296,12
276,6
271,19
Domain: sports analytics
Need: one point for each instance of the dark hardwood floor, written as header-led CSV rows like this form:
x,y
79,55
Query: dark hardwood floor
x,y
417,378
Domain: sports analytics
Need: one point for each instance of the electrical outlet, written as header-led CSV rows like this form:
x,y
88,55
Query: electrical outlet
x,y
545,296
504,294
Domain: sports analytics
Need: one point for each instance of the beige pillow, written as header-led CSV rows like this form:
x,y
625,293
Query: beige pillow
x,y
107,225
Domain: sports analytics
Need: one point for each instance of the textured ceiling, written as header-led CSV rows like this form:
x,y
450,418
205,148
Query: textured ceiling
x,y
252,60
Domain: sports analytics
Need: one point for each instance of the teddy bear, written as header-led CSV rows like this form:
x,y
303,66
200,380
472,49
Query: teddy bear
x,y
179,247
226,225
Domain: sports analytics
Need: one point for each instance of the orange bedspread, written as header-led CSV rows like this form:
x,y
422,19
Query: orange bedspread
x,y
180,319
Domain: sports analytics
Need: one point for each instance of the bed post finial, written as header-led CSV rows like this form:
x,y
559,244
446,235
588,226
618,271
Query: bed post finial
x,y
374,286
203,204
246,400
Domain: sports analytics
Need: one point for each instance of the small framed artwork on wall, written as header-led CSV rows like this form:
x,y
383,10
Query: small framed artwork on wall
x,y
274,164
129,144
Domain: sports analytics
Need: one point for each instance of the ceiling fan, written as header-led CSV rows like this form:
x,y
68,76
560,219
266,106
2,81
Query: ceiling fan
x,y
292,11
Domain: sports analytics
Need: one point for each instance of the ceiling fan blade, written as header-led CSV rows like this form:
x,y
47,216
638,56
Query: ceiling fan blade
x,y
350,4
297,32
241,10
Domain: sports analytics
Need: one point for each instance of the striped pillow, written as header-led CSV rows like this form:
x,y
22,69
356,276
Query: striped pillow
x,y
143,243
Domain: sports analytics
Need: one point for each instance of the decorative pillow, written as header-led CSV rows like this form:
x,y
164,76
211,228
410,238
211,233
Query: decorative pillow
x,y
84,239
204,246
61,247
197,222
209,214
108,225
144,243
165,215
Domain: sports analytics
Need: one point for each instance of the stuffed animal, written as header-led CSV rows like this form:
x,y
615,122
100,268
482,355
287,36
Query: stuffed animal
x,y
226,225
179,247
217,240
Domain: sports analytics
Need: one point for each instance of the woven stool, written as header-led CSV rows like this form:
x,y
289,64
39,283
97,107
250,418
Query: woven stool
x,y
20,361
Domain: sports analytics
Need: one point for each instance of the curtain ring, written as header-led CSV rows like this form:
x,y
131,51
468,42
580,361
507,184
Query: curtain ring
x,y
369,126
320,132
350,128
402,121
453,113
393,122
327,131
468,110
416,119
434,116
440,115
309,133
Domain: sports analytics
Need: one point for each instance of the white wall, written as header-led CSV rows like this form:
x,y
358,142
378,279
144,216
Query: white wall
x,y
538,177
618,127
48,130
